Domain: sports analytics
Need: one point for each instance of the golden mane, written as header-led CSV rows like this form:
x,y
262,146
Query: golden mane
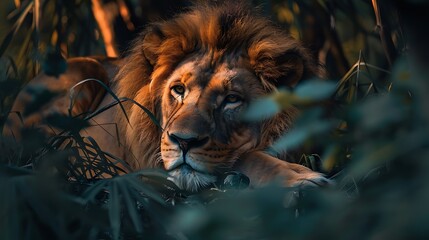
x,y
222,31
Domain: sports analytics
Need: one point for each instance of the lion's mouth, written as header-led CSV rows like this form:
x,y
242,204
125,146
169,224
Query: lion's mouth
x,y
186,169
190,179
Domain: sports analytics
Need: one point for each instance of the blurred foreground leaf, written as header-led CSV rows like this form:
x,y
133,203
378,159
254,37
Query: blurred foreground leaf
x,y
315,90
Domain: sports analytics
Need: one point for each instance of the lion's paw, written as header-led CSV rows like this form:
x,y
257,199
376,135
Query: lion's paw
x,y
312,180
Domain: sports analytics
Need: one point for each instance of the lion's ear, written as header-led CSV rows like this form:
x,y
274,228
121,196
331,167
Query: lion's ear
x,y
152,41
288,70
282,64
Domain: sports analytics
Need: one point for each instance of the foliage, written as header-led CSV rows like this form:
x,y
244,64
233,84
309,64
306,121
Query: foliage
x,y
368,129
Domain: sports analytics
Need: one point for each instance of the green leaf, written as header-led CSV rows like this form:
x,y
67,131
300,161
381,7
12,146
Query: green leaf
x,y
379,112
91,192
114,207
261,109
315,90
297,136
131,205
9,171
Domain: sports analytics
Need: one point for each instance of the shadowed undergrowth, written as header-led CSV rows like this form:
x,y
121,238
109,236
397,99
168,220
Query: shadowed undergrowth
x,y
367,129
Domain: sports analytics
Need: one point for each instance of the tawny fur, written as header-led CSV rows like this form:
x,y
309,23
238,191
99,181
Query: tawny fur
x,y
221,36
221,31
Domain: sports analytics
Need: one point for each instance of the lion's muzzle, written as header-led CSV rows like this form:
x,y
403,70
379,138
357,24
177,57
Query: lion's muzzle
x,y
187,169
185,143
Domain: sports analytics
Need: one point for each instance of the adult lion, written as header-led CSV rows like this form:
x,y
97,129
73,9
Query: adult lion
x,y
196,73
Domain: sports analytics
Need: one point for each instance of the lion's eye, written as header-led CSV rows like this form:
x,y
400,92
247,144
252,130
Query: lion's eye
x,y
178,89
232,98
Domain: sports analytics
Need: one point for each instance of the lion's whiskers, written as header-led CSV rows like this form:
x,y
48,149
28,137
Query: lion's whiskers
x,y
158,157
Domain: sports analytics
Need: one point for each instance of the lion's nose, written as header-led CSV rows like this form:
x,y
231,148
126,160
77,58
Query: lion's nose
x,y
185,143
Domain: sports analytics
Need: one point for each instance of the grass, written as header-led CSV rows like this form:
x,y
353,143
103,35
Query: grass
x,y
370,132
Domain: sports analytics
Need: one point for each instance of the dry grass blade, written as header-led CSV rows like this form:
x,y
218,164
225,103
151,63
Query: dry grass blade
x,y
37,14
386,41
354,69
9,37
17,3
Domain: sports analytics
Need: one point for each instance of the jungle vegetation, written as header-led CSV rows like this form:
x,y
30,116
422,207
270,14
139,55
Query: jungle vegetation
x,y
366,127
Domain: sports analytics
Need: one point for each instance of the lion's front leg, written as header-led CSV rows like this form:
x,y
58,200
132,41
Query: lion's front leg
x,y
262,168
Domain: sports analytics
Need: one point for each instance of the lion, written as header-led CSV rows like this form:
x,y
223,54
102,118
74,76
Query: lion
x,y
196,73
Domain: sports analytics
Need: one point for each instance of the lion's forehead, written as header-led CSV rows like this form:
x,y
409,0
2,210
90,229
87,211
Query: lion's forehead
x,y
201,73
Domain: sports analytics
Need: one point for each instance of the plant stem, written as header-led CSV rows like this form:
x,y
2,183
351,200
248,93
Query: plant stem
x,y
384,31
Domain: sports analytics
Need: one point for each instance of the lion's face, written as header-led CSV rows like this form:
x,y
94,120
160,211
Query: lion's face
x,y
197,73
203,133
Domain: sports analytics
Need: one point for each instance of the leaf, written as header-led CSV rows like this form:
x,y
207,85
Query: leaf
x,y
9,171
315,90
131,205
145,189
403,76
261,109
379,112
297,136
114,207
90,194
329,157
268,106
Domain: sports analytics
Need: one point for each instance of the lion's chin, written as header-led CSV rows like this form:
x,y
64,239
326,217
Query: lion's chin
x,y
188,179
